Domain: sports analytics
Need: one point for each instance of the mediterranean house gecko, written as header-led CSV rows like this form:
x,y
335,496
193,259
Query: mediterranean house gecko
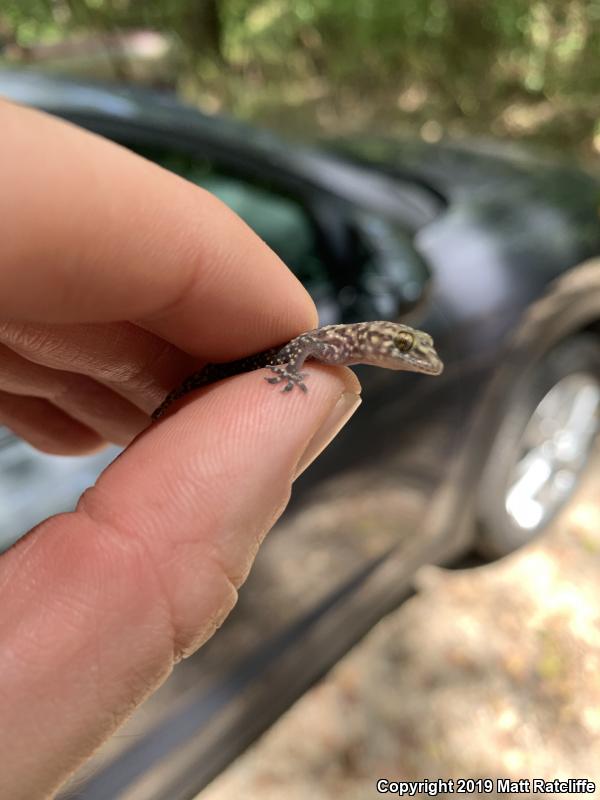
x,y
382,344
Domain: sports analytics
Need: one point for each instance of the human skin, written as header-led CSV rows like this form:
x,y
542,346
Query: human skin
x,y
118,278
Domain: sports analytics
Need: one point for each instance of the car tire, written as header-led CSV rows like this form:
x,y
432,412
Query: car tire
x,y
514,505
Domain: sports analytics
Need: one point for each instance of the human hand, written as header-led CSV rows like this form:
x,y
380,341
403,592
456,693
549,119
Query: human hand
x,y
116,280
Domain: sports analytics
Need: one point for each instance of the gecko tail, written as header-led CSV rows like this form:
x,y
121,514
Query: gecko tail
x,y
162,408
194,381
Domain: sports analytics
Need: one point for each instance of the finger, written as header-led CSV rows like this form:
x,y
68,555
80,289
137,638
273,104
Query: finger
x,y
136,364
97,407
97,604
58,433
117,237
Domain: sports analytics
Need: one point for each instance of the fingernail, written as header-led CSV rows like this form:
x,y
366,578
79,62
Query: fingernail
x,y
334,422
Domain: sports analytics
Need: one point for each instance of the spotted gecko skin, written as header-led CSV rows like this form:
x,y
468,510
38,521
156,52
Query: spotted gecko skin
x,y
382,344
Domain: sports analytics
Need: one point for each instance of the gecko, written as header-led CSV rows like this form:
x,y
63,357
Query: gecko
x,y
390,345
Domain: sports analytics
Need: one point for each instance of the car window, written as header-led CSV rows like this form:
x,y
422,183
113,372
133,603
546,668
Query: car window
x,y
280,220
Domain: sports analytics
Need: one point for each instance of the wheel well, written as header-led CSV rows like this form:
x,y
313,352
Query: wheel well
x,y
570,306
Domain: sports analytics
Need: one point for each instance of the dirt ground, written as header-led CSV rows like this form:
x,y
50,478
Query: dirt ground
x,y
487,672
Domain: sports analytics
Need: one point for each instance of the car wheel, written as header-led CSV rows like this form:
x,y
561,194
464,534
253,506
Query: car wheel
x,y
541,447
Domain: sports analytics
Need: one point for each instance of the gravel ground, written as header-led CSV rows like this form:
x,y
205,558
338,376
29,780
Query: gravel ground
x,y
488,672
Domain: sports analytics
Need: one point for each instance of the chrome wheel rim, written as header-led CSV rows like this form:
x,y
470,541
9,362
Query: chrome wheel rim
x,y
553,450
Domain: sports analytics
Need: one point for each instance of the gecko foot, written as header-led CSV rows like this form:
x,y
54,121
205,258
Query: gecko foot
x,y
293,378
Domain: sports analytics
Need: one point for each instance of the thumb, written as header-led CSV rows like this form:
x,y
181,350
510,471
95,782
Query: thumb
x,y
99,603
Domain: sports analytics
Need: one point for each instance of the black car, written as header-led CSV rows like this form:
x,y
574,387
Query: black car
x,y
493,252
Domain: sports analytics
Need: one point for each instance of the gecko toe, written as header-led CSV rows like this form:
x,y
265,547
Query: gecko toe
x,y
293,378
280,374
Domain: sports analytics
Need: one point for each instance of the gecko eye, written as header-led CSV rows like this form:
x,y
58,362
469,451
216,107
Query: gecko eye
x,y
404,341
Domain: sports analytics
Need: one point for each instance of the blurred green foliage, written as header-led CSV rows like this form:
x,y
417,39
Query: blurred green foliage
x,y
502,67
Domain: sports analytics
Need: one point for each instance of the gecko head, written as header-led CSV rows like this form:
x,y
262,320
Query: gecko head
x,y
397,346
